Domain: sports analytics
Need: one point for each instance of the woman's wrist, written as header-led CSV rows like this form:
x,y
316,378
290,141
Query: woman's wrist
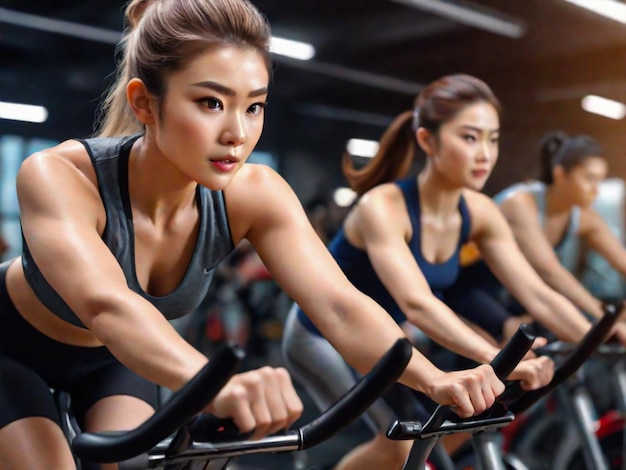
x,y
487,355
422,375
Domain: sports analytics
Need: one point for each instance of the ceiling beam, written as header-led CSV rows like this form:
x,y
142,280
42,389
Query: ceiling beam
x,y
471,15
108,36
66,28
382,82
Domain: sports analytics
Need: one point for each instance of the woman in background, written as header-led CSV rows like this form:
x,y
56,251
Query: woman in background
x,y
400,245
549,218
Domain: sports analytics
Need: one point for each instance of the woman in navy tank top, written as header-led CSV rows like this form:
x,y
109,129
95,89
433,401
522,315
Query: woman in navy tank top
x,y
400,245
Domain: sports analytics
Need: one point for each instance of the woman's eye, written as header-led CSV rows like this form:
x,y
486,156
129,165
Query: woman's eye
x,y
257,108
211,103
469,138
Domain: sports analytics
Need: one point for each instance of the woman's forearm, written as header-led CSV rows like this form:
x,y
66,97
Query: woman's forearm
x,y
566,283
444,327
560,316
140,337
361,331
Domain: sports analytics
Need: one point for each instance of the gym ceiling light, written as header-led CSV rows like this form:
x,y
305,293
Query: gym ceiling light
x,y
610,8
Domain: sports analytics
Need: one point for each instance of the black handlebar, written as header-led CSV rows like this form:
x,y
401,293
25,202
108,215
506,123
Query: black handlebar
x,y
194,396
117,447
503,364
590,343
516,400
108,447
349,407
514,351
354,403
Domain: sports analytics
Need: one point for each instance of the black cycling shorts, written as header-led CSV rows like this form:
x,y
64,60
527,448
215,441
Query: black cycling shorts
x,y
31,364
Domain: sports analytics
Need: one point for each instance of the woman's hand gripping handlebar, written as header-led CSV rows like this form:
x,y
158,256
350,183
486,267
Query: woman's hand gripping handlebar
x,y
519,402
151,438
444,420
514,399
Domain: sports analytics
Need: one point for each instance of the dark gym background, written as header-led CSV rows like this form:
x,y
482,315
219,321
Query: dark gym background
x,y
371,58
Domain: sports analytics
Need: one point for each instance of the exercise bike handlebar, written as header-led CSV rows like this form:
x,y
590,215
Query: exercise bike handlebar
x,y
513,352
354,403
118,447
514,400
348,408
594,338
444,419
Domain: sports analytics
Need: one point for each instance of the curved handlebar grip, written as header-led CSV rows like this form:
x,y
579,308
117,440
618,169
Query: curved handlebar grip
x,y
513,352
592,340
109,447
503,364
355,402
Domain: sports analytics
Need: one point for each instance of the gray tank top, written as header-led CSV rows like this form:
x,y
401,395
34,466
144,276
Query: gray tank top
x,y
110,160
567,250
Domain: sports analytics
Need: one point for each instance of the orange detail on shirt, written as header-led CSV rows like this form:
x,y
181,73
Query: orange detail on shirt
x,y
469,254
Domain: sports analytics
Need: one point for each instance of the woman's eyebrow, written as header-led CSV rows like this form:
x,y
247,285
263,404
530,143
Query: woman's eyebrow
x,y
223,89
479,129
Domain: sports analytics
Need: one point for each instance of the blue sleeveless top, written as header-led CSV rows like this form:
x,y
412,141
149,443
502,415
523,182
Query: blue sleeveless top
x,y
356,265
109,157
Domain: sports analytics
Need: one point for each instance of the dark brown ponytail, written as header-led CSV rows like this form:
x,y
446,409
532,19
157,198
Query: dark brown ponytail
x,y
392,160
559,149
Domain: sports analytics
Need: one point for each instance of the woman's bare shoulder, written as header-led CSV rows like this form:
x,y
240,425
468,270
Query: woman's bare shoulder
x,y
384,197
253,178
68,151
478,202
258,196
520,208
66,161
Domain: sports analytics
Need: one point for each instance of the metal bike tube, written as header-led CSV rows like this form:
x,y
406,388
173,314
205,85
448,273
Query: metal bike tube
x,y
486,446
577,400
440,458
420,450
220,450
619,374
619,379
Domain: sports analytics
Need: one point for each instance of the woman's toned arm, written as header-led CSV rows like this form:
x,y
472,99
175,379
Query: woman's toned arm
x,y
380,221
498,247
596,232
61,216
520,211
264,209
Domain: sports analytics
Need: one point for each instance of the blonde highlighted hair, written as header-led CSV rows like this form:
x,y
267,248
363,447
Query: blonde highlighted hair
x,y
163,36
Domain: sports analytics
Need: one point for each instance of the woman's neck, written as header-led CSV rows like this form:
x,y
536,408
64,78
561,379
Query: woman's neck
x,y
438,198
156,188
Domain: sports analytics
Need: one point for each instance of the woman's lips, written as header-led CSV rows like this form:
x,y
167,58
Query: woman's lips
x,y
224,164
